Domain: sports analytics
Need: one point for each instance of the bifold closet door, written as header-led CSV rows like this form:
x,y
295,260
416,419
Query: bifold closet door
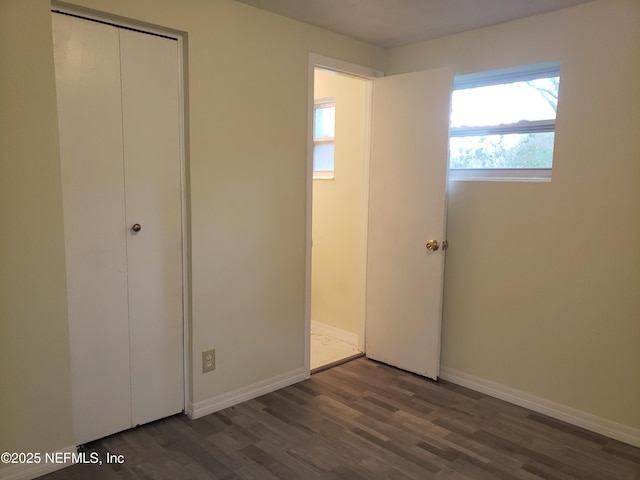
x,y
153,201
120,154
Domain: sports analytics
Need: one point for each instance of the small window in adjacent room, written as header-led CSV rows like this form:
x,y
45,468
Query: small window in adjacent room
x,y
324,131
503,124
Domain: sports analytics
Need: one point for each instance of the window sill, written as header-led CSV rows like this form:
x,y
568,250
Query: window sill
x,y
319,175
500,175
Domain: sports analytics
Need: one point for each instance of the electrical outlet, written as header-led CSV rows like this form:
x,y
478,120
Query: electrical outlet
x,y
208,360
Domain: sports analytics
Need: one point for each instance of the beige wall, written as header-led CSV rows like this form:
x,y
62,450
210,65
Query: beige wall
x,y
543,279
35,395
247,118
247,82
337,294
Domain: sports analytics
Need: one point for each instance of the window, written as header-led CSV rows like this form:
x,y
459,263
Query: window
x,y
324,132
503,123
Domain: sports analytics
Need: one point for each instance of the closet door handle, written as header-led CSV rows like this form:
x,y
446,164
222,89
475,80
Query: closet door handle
x,y
136,227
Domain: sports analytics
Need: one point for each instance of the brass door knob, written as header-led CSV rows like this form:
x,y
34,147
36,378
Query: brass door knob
x,y
433,245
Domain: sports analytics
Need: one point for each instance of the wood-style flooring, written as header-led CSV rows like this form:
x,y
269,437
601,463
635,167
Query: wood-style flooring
x,y
363,420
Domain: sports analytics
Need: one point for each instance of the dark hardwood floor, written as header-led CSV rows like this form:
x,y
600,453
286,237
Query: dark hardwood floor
x,y
363,420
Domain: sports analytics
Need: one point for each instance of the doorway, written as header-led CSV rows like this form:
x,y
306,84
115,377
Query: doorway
x,y
339,186
405,185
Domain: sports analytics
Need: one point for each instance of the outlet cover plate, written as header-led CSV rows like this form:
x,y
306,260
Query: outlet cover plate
x,y
208,360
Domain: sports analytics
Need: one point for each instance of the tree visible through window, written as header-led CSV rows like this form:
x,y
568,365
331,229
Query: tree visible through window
x,y
505,121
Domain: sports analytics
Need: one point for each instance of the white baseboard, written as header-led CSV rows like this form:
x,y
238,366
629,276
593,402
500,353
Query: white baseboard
x,y
33,470
558,411
229,399
334,332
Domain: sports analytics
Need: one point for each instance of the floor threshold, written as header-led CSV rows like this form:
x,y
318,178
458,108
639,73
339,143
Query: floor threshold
x,y
336,363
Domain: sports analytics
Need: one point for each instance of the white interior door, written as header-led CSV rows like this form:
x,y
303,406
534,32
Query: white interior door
x,y
120,154
151,123
409,162
87,61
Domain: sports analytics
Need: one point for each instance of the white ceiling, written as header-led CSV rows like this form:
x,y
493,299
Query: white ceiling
x,y
393,23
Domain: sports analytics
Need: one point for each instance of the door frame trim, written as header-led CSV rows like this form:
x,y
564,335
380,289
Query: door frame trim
x,y
180,37
367,74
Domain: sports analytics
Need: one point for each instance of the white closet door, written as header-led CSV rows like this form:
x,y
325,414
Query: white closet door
x,y
152,188
118,98
90,126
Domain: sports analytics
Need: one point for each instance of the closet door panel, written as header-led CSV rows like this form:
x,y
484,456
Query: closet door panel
x,y
151,128
87,65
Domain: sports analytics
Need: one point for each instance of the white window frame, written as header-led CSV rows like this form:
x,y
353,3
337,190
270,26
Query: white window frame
x,y
318,104
497,77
